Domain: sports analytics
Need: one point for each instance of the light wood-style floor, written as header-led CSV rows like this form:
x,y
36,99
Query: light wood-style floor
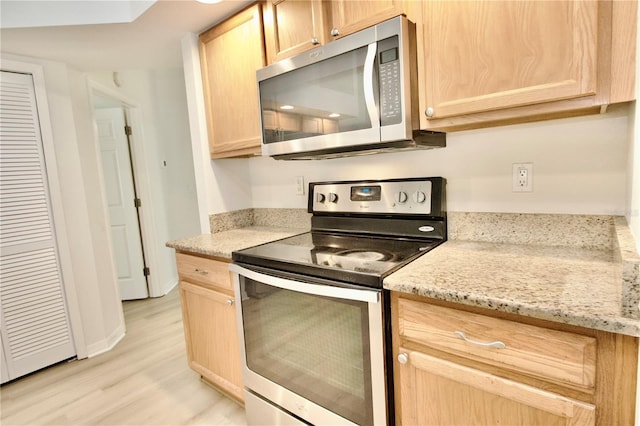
x,y
144,380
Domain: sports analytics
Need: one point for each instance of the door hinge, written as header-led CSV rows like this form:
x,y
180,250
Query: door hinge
x,y
146,271
137,202
127,130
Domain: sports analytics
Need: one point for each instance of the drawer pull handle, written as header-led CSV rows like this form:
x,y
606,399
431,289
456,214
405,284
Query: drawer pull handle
x,y
201,271
497,344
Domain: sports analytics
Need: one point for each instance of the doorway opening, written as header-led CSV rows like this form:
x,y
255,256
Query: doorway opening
x,y
123,202
125,192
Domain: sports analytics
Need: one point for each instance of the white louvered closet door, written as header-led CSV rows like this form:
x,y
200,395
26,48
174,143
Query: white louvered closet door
x,y
35,322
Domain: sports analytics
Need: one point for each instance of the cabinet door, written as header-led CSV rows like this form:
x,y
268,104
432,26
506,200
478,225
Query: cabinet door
x,y
211,336
349,16
292,27
484,56
433,391
230,54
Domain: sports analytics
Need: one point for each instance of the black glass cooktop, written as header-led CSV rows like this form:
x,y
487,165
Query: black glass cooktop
x,y
363,260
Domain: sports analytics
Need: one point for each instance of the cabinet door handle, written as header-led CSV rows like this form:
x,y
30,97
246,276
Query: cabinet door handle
x,y
229,302
201,271
403,358
335,32
497,344
314,40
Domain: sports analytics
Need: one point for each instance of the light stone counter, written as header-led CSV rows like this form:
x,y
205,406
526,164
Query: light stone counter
x,y
221,244
244,228
588,285
573,269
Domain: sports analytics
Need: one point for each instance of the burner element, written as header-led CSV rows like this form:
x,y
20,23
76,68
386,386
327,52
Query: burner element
x,y
366,255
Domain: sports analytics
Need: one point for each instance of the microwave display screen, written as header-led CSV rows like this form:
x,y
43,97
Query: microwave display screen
x,y
389,55
366,193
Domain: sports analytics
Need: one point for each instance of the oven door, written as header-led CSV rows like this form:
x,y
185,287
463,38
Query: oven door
x,y
313,350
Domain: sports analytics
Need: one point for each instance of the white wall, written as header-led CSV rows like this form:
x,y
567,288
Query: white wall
x,y
578,167
222,185
160,98
633,165
633,175
93,273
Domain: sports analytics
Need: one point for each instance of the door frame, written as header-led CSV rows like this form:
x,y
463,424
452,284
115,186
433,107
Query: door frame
x,y
55,198
141,178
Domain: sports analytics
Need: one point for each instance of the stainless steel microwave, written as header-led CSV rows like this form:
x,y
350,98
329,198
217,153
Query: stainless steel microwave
x,y
355,95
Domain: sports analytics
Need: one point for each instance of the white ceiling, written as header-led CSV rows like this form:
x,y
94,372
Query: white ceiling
x,y
150,41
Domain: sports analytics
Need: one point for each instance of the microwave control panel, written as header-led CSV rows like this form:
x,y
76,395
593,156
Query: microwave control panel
x,y
390,77
403,197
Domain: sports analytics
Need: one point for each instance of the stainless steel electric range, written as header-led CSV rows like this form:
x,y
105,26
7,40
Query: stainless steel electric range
x,y
313,317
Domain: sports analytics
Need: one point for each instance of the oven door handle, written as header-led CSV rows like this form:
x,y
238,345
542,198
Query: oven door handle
x,y
364,295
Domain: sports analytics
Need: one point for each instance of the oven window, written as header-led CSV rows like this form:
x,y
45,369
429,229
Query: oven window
x,y
315,346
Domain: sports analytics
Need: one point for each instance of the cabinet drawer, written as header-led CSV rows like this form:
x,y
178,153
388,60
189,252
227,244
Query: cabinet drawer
x,y
204,271
556,356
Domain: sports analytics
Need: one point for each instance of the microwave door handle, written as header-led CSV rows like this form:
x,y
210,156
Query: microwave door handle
x,y
369,96
368,296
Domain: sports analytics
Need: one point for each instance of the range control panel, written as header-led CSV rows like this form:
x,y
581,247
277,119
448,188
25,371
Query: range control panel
x,y
413,196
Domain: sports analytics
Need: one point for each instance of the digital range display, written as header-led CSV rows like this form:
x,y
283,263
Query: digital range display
x,y
366,193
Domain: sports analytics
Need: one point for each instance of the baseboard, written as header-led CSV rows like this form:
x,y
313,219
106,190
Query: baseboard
x,y
170,285
105,345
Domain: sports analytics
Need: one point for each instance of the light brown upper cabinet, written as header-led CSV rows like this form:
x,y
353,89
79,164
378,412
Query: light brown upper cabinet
x,y
490,62
230,54
294,26
349,16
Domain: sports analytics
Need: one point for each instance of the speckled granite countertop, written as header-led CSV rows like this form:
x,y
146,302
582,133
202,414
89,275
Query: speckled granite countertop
x,y
221,244
244,228
574,269
587,286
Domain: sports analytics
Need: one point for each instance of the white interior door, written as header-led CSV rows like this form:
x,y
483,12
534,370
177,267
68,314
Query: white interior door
x,y
34,320
120,192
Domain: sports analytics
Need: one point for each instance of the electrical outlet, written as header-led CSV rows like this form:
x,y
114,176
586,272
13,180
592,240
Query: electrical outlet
x,y
299,185
522,177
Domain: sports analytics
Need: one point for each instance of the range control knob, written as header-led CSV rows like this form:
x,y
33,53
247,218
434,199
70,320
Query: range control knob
x,y
320,197
401,197
419,197
333,198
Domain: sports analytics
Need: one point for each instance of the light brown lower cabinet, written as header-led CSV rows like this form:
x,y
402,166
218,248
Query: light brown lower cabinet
x,y
210,329
462,366
440,392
